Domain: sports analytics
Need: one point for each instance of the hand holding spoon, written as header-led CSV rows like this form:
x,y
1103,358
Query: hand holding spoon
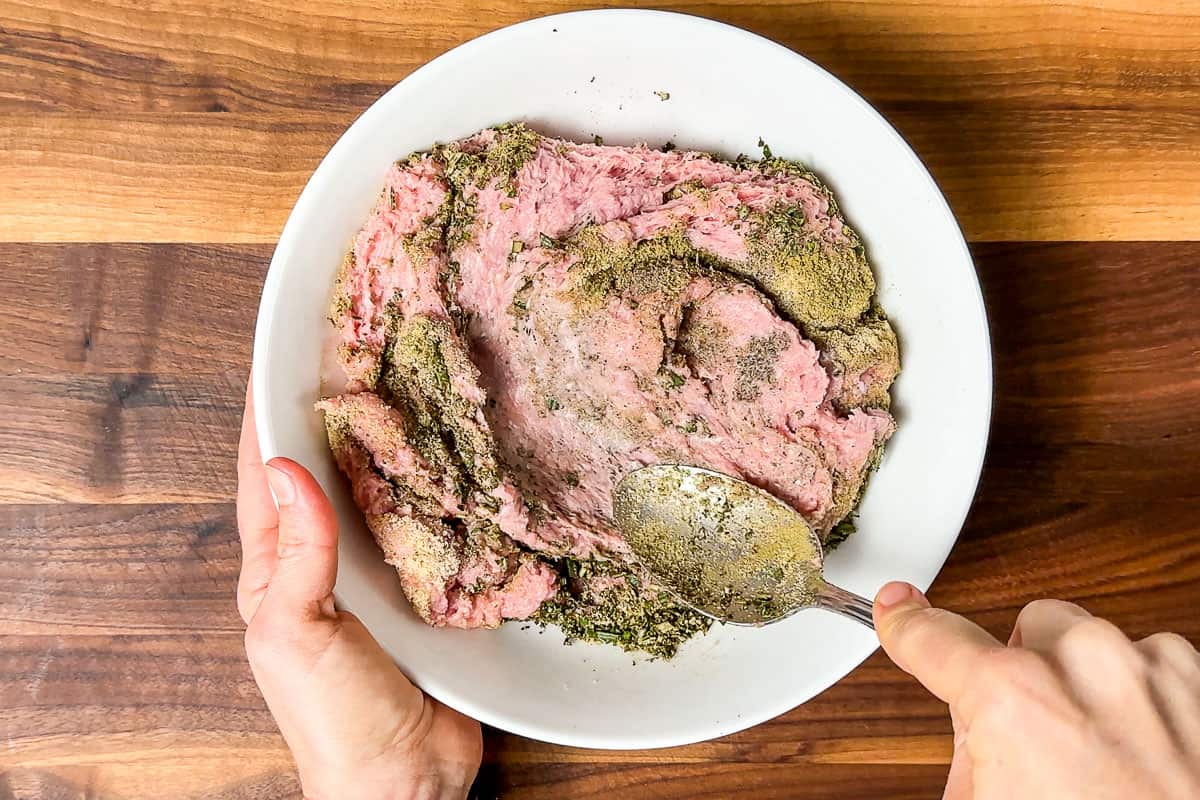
x,y
728,549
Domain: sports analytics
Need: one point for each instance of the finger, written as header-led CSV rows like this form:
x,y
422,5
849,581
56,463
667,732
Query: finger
x,y
257,518
1043,622
306,554
933,645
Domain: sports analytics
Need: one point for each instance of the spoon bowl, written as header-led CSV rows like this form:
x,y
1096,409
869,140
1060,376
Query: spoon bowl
x,y
726,548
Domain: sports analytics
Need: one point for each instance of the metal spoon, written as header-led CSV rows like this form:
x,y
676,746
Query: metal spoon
x,y
728,549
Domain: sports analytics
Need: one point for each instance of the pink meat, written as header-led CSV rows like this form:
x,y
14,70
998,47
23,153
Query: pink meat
x,y
575,395
384,267
378,429
453,577
532,584
461,581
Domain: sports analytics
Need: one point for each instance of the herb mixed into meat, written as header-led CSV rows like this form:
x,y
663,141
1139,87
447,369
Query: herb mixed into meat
x,y
523,320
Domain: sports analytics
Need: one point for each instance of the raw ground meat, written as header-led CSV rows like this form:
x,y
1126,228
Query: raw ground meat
x,y
523,320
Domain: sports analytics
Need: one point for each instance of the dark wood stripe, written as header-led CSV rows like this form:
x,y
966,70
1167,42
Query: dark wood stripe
x,y
711,782
1094,397
101,309
1096,373
93,570
121,438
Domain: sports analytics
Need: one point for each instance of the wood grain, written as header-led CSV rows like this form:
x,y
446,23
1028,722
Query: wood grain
x,y
120,309
121,671
170,326
150,151
1094,397
136,717
714,781
103,680
116,570
128,438
127,365
269,55
1016,176
177,178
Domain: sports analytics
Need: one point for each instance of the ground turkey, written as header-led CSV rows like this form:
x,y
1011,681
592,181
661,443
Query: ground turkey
x,y
523,320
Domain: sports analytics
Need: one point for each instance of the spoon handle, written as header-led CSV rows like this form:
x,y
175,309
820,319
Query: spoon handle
x,y
848,604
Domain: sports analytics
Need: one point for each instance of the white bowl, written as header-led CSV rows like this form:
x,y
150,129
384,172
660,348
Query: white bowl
x,y
598,72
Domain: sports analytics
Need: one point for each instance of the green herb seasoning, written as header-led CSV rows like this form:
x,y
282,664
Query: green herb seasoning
x,y
468,170
756,365
603,270
607,601
423,364
840,533
817,285
673,380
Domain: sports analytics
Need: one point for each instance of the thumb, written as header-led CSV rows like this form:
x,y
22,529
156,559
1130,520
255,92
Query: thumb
x,y
936,647
306,567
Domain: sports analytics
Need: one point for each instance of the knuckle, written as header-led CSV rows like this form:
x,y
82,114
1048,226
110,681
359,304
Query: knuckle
x,y
1171,648
1047,607
1089,636
1170,643
289,549
296,546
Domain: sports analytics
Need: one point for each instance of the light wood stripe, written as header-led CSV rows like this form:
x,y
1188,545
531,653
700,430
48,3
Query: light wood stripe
x,y
1017,175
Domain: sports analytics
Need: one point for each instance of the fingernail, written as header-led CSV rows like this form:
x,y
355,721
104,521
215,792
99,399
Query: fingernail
x,y
281,486
895,593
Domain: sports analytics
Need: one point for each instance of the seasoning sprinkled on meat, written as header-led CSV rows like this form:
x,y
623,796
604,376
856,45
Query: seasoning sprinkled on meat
x,y
523,320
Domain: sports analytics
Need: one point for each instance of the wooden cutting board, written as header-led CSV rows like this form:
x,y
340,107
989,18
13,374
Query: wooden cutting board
x,y
149,153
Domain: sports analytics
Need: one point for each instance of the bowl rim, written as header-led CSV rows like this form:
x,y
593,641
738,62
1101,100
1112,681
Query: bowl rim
x,y
323,175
